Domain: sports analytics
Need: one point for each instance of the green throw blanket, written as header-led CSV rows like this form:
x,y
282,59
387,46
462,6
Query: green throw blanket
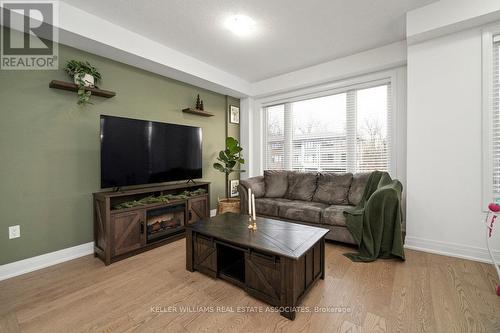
x,y
375,223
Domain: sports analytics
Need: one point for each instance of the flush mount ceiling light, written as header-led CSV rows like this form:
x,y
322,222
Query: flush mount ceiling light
x,y
240,25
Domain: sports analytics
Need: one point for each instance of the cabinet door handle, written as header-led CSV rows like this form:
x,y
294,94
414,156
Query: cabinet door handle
x,y
190,215
142,227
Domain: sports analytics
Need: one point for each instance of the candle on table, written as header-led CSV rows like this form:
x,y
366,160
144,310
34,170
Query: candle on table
x,y
249,201
253,206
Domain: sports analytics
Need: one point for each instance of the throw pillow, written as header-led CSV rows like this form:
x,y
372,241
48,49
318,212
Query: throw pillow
x,y
258,187
358,185
276,183
301,185
333,188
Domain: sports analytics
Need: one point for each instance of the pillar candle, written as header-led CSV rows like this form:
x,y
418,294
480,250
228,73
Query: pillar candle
x,y
249,202
253,206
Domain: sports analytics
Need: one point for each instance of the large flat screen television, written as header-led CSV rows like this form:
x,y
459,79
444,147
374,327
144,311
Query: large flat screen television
x,y
135,152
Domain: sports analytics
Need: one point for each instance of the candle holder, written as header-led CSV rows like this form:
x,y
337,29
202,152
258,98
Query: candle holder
x,y
252,225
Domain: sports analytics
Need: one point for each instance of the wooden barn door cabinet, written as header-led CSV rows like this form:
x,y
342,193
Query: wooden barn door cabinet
x,y
198,209
120,233
128,231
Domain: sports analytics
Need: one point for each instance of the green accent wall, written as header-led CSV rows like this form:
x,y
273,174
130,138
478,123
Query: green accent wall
x,y
49,164
233,130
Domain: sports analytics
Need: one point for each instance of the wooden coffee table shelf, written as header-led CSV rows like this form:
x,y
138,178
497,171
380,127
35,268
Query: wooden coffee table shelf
x,y
277,263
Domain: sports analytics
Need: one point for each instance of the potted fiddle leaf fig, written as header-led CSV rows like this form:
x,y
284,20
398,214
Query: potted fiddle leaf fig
x,y
85,76
229,161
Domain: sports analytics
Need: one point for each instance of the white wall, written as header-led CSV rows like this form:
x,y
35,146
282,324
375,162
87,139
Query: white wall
x,y
448,16
378,59
444,163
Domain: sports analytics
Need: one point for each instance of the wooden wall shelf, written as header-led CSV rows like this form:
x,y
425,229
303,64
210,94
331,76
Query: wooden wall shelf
x,y
73,87
198,112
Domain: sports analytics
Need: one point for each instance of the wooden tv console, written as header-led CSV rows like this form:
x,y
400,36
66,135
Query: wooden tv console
x,y
121,233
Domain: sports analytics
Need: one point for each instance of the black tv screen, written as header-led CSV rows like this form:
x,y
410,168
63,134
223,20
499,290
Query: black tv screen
x,y
135,152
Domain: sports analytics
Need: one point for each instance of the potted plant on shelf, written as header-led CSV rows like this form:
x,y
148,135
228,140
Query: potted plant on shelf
x,y
85,76
229,159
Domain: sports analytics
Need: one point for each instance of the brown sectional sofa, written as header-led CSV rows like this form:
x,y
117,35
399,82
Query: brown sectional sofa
x,y
311,198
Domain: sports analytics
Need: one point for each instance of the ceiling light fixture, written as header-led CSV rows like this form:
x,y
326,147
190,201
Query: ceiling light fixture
x,y
240,25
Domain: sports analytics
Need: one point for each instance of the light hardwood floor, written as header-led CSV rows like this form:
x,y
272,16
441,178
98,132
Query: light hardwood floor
x,y
427,293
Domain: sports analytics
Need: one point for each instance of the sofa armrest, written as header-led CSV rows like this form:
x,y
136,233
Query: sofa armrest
x,y
256,184
386,197
243,193
391,190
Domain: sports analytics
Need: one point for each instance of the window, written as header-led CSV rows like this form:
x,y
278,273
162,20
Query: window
x,y
343,132
275,137
496,119
491,117
319,134
372,136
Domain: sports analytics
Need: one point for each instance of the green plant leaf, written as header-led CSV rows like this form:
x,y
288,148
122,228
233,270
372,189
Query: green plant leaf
x,y
231,142
223,156
219,167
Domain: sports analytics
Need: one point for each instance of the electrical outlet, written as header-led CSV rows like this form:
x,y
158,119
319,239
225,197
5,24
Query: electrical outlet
x,y
14,231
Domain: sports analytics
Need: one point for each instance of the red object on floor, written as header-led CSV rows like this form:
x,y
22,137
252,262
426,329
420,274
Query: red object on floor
x,y
498,290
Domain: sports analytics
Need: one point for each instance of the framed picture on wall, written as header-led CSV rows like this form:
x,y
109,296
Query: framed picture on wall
x,y
234,114
233,186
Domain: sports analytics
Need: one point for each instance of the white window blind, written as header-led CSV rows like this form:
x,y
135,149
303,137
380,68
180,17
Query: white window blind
x,y
373,137
275,150
344,132
496,118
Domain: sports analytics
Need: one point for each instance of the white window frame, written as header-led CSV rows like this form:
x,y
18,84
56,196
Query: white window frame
x,y
396,77
487,113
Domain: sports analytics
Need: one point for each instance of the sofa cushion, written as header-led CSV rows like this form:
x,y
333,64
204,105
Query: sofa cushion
x,y
305,211
256,184
333,188
359,181
334,215
276,183
301,185
268,206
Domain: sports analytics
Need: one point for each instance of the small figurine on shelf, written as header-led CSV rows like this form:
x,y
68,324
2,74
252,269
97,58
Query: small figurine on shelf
x,y
199,105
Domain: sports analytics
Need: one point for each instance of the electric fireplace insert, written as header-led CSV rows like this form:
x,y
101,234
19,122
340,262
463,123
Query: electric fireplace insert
x,y
165,221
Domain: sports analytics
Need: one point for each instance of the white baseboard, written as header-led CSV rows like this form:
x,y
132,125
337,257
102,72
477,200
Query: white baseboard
x,y
413,243
45,260
450,249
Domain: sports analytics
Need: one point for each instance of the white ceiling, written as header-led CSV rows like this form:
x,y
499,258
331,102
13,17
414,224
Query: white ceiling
x,y
291,34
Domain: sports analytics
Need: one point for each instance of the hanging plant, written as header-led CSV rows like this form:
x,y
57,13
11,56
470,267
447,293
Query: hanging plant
x,y
85,76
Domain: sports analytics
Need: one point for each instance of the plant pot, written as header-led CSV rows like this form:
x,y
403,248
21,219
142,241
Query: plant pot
x,y
228,206
88,80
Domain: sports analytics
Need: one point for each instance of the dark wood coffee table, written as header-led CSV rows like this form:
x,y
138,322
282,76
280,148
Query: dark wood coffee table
x,y
278,263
